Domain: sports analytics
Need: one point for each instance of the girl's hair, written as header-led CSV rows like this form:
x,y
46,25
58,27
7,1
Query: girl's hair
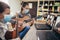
x,y
3,6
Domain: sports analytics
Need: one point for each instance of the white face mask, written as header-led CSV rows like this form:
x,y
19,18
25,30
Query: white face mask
x,y
26,11
6,15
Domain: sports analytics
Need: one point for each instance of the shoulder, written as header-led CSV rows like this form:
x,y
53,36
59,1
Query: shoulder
x,y
20,15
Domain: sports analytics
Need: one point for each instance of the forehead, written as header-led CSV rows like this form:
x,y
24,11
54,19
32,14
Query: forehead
x,y
7,11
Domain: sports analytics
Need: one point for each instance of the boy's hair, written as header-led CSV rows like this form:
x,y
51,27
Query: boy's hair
x,y
13,22
24,4
3,6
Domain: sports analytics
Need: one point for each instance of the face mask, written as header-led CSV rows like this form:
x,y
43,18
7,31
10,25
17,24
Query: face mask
x,y
26,11
7,18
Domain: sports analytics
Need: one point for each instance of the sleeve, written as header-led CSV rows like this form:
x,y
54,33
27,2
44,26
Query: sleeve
x,y
20,15
4,26
29,15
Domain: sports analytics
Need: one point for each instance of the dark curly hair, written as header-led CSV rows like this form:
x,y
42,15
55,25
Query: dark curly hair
x,y
24,4
3,6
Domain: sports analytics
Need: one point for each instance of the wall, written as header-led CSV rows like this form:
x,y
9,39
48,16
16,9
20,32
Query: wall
x,y
29,0
6,1
40,0
15,6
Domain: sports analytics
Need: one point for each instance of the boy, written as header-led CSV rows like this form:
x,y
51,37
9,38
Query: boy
x,y
4,9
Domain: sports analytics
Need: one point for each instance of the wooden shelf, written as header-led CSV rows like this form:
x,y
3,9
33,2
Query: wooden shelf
x,y
49,6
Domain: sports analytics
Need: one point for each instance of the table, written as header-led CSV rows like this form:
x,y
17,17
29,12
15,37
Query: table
x,y
41,25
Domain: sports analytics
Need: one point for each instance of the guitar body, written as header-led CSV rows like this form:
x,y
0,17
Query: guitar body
x,y
10,35
14,34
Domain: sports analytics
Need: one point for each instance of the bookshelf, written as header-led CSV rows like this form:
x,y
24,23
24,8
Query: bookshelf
x,y
48,6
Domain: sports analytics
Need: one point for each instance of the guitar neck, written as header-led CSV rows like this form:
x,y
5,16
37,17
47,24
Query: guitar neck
x,y
17,24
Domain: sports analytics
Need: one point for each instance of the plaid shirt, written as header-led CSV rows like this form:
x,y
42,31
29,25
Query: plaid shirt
x,y
3,29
